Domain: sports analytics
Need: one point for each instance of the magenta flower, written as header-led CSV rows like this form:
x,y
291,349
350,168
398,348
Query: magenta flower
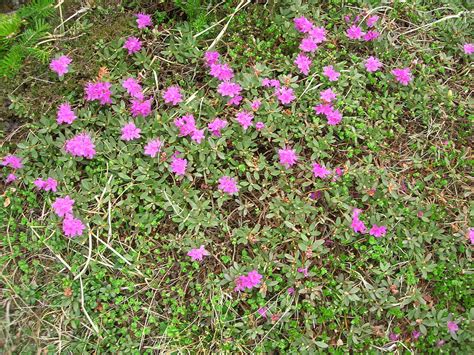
x,y
198,254
452,327
228,185
266,82
403,76
323,109
252,279
235,100
371,36
285,95
216,126
143,21
10,178
320,171
303,63
263,311
471,235
211,58
259,126
308,45
172,95
133,88
327,95
12,161
72,227
393,337
245,119
255,105
130,132
302,24
132,44
334,117
140,108
415,334
318,34
186,125
178,165
80,146
468,48
229,89
354,32
222,72
198,135
49,184
372,64
372,20
98,91
153,147
60,65
331,73
63,206
357,225
378,231
291,290
65,114
288,157
304,271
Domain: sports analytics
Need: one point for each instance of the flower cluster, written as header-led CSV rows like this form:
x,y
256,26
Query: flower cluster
x,y
228,185
153,147
133,87
356,32
172,95
133,45
327,109
80,146
198,254
65,114
309,44
60,65
216,126
99,91
49,184
187,127
140,107
178,165
359,227
252,279
130,132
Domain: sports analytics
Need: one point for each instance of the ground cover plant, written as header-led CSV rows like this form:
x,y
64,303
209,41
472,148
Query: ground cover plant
x,y
199,177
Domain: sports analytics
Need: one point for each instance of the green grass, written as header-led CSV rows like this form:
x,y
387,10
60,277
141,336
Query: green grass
x,y
126,285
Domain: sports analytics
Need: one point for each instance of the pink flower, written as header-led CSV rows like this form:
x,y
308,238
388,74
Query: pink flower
x,y
308,45
72,227
320,171
471,235
10,178
228,185
60,65
415,334
132,44
172,95
198,135
304,271
270,83
130,132
245,119
378,231
263,311
259,126
63,206
357,225
372,64
255,105
393,337
140,108
222,72
291,290
12,161
327,95
468,48
186,125
211,58
371,36
302,24
331,73
235,100
403,76
303,63
252,279
323,109
318,34
65,114
143,21
354,32
372,20
452,327
287,157
198,254
80,146
216,126
285,95
99,91
334,117
49,184
229,89
153,147
133,88
178,165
